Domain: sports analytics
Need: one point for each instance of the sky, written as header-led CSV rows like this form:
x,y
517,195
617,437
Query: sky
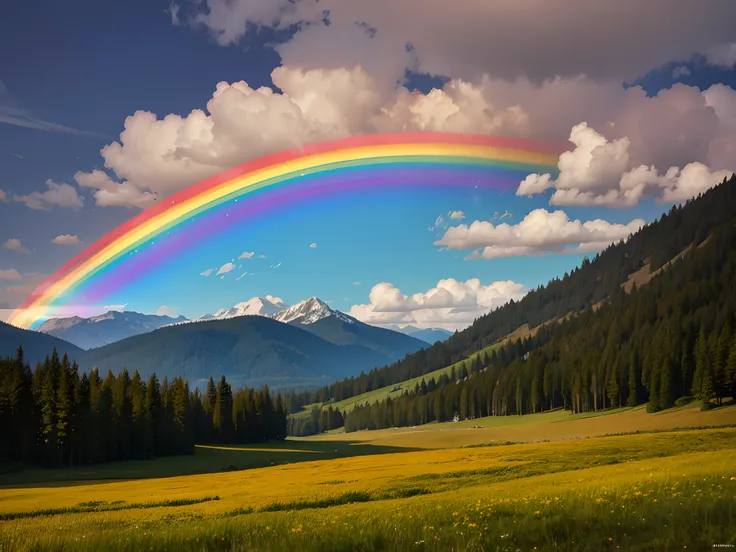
x,y
107,107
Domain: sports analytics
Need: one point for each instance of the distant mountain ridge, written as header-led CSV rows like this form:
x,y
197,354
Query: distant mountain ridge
x,y
308,343
101,330
36,345
260,306
430,335
244,348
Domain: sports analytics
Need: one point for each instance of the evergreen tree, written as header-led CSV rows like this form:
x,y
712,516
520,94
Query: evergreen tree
x,y
666,386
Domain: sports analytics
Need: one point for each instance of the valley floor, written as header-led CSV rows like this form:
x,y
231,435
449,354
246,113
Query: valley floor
x,y
409,489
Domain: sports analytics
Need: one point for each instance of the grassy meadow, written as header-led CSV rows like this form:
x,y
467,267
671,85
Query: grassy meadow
x,y
398,389
442,490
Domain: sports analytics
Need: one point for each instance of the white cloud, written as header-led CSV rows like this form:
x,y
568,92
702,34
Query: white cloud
x,y
312,245
114,194
356,283
540,233
246,255
10,274
207,272
621,40
14,244
600,172
241,276
723,55
58,195
224,269
451,304
680,71
276,265
456,215
118,308
155,157
165,310
66,239
275,300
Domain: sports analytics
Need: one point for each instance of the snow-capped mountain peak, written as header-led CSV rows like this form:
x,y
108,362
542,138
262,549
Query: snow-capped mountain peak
x,y
257,306
310,311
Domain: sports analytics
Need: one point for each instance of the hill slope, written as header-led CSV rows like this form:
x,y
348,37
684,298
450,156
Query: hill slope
x,y
243,348
36,345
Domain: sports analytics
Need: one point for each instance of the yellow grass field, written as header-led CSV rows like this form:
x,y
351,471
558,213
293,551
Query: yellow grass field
x,y
670,488
555,425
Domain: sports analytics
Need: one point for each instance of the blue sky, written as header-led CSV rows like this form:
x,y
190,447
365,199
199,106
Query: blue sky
x,y
72,72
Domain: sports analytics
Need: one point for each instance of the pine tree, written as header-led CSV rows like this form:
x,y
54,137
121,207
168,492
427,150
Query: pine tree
x,y
48,408
730,379
666,386
63,408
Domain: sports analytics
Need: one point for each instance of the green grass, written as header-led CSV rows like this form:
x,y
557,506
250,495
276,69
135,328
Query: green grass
x,y
397,389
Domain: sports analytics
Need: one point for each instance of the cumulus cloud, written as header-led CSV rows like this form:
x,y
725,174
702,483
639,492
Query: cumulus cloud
x,y
207,272
224,269
312,245
600,172
155,157
14,244
57,195
621,39
114,194
165,310
451,304
10,274
246,255
66,239
456,215
540,233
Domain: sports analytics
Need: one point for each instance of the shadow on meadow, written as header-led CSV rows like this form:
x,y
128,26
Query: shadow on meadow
x,y
206,459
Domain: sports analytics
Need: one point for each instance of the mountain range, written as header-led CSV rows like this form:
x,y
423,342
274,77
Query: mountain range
x,y
430,335
98,331
305,343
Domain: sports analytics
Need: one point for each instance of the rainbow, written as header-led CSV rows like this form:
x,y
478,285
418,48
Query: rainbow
x,y
406,159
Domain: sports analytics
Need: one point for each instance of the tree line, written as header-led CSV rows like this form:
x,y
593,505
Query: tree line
x,y
669,341
55,416
319,420
594,281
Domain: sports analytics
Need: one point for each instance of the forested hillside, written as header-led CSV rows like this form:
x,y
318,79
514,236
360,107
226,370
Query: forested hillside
x,y
706,221
53,416
668,342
